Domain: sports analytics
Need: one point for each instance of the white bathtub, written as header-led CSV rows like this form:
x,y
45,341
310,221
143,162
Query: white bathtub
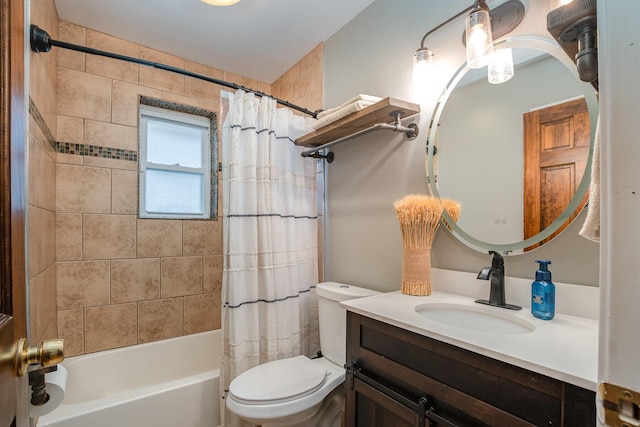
x,y
169,383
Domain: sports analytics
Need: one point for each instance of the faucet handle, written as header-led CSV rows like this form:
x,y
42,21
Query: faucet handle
x,y
498,261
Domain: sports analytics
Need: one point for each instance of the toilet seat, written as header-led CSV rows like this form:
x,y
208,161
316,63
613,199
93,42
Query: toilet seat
x,y
279,381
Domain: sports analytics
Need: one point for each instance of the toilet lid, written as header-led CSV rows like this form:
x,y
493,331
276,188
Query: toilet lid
x,y
278,381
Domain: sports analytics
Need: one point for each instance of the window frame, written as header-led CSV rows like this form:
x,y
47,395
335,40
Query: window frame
x,y
162,111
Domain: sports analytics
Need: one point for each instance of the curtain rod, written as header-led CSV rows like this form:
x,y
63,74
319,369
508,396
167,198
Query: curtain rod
x,y
42,42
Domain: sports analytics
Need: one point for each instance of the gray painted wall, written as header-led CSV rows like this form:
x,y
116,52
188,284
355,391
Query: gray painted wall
x,y
373,55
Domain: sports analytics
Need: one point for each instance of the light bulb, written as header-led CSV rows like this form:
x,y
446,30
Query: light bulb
x,y
500,66
421,65
478,38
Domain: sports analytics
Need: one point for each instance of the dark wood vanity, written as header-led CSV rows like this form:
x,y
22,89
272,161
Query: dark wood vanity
x,y
399,378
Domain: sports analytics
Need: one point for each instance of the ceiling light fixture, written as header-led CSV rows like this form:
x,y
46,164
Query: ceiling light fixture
x,y
220,2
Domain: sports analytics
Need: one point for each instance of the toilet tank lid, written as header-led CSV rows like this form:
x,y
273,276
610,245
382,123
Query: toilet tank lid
x,y
341,292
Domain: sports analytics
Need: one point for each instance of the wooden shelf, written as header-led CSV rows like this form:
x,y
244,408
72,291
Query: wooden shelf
x,y
383,111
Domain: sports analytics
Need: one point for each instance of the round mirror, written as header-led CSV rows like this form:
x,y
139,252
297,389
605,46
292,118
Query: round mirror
x,y
516,155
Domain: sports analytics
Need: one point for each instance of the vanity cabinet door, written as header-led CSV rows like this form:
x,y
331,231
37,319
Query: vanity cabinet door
x,y
465,388
373,408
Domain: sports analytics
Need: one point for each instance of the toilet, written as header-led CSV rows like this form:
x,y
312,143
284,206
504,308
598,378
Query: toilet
x,y
300,391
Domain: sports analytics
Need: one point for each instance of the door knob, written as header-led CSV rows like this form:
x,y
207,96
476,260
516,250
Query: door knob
x,y
47,353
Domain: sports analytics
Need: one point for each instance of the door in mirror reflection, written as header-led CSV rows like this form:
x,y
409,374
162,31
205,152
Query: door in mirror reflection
x,y
556,149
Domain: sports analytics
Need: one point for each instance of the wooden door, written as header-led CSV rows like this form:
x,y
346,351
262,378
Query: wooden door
x,y
13,325
556,149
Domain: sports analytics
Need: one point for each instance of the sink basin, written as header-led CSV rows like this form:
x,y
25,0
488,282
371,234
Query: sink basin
x,y
475,318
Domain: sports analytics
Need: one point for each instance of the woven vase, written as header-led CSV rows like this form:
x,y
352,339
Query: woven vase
x,y
416,271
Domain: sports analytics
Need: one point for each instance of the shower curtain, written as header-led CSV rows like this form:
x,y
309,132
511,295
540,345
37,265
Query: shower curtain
x,y
269,239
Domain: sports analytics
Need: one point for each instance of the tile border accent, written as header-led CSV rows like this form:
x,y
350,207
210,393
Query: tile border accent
x,y
42,124
78,149
95,151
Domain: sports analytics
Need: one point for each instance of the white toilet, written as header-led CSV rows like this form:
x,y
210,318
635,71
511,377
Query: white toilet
x,y
300,391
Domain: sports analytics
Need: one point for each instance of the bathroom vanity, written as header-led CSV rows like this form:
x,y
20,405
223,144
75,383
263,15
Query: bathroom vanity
x,y
426,361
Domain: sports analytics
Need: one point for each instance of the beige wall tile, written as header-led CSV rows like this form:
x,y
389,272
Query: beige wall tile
x,y
108,236
83,189
125,102
240,80
102,41
311,70
201,313
124,193
161,79
35,240
84,95
212,275
103,162
49,237
74,34
82,284
202,89
71,330
47,300
135,280
160,319
184,100
164,58
110,135
202,237
109,67
69,159
70,129
181,276
42,173
110,326
69,237
159,238
34,284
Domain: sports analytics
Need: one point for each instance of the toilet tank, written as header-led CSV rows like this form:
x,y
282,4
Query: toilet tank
x,y
332,318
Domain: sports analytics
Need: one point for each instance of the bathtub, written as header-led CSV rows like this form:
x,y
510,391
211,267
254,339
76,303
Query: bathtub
x,y
172,382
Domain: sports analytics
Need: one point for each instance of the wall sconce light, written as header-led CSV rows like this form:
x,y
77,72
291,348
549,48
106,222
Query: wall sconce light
x,y
478,37
500,66
482,25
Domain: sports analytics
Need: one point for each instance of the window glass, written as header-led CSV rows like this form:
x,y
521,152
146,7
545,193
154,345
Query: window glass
x,y
174,192
176,169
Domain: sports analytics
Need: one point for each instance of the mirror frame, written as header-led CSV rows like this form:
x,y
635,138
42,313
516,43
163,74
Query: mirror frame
x,y
552,48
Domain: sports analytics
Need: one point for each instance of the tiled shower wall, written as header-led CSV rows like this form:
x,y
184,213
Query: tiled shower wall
x,y
122,280
41,170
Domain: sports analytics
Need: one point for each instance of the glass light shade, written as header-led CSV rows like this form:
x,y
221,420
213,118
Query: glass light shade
x,y
220,2
478,38
554,4
422,61
500,66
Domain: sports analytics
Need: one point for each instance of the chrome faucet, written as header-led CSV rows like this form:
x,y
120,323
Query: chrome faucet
x,y
495,275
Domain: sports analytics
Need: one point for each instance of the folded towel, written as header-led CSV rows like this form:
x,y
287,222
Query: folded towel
x,y
591,227
340,113
366,98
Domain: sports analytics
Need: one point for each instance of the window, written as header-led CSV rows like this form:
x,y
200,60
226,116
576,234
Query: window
x,y
177,156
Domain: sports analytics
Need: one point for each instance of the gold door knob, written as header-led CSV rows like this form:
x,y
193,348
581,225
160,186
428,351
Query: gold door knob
x,y
48,353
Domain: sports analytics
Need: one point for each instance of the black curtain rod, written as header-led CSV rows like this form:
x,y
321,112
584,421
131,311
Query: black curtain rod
x,y
42,42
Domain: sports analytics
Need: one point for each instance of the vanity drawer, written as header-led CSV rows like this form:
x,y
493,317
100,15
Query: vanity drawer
x,y
463,381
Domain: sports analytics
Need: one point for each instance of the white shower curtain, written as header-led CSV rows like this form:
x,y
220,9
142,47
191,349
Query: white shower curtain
x,y
270,239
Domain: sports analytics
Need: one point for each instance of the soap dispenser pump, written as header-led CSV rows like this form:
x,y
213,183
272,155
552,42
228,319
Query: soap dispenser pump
x,y
543,293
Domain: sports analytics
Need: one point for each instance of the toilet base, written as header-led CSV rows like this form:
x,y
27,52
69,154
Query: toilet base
x,y
325,414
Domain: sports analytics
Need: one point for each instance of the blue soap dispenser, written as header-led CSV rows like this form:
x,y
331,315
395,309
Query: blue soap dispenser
x,y
543,293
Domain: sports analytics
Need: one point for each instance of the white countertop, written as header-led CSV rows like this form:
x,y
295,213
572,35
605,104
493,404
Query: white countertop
x,y
565,348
